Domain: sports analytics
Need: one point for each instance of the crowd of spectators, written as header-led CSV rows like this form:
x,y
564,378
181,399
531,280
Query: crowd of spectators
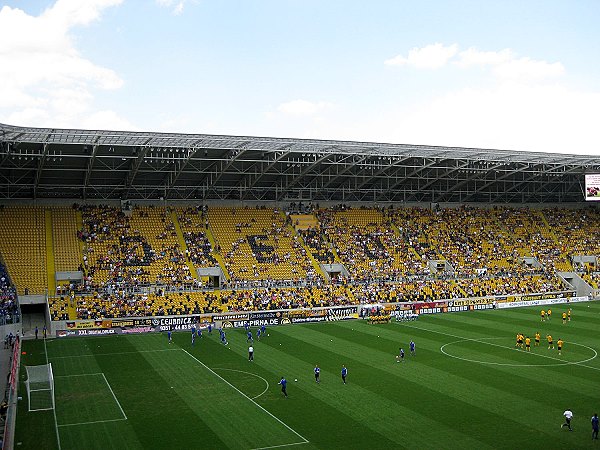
x,y
194,226
256,244
388,254
130,250
109,306
9,309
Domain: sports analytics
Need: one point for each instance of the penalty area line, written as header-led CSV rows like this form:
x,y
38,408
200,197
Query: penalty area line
x,y
304,440
280,446
91,422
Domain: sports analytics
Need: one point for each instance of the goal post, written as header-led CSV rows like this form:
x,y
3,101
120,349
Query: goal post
x,y
40,387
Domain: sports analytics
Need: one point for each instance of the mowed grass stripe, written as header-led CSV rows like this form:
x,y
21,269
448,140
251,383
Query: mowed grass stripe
x,y
527,320
428,351
571,351
237,421
84,398
363,398
306,414
453,386
461,325
99,436
154,412
573,378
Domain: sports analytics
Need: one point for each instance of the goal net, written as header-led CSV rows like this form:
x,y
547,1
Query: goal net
x,y
40,387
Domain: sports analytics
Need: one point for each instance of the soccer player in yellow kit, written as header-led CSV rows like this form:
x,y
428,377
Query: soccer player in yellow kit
x,y
564,317
528,344
537,339
543,315
550,341
559,343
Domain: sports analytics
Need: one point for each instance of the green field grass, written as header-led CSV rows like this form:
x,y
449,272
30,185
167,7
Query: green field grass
x,y
467,387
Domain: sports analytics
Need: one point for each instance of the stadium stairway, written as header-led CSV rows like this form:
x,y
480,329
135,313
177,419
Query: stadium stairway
x,y
50,268
313,261
217,256
396,230
304,221
80,227
182,245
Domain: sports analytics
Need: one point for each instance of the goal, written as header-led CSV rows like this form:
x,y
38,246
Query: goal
x,y
40,387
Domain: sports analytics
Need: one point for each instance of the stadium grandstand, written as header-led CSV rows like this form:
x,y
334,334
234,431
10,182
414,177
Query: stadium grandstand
x,y
113,224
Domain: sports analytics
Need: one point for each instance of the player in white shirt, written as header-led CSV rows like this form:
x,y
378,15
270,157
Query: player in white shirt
x,y
568,416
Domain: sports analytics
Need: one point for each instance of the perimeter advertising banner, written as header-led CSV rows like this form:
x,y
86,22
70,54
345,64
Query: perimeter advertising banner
x,y
543,302
430,307
84,324
232,316
306,315
533,297
90,332
471,301
345,313
470,304
176,323
255,322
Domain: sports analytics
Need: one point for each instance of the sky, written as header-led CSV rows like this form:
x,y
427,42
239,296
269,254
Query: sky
x,y
514,75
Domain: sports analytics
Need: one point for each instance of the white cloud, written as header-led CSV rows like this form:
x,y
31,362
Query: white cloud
x,y
506,65
303,107
45,79
176,6
503,64
528,69
504,115
508,102
546,118
474,57
431,56
107,120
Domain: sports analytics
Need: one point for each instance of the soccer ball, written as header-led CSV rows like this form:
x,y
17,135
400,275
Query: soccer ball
x,y
295,379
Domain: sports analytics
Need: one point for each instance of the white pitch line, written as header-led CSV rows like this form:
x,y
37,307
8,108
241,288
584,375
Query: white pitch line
x,y
231,385
279,446
115,397
116,353
249,373
54,401
79,375
509,348
92,422
491,363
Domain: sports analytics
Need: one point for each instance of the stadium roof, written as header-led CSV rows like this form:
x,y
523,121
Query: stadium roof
x,y
92,164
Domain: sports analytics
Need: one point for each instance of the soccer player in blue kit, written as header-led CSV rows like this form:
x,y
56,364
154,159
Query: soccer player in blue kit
x,y
344,373
283,384
412,348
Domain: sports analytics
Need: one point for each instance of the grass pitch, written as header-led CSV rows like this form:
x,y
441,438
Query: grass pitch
x,y
466,387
